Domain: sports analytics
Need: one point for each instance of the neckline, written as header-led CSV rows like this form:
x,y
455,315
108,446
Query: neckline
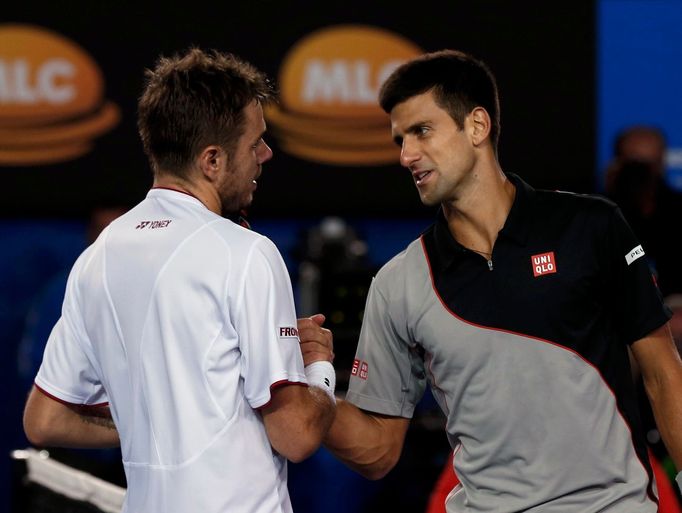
x,y
163,187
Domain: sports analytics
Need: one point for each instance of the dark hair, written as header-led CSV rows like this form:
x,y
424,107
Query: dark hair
x,y
460,83
194,100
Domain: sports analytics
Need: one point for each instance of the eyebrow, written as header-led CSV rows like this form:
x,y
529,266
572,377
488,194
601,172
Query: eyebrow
x,y
398,139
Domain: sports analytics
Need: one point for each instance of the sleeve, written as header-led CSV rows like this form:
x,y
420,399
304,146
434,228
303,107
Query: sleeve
x,y
266,324
631,285
66,373
387,375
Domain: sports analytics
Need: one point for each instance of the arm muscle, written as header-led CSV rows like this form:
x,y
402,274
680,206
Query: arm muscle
x,y
48,422
296,419
661,369
368,443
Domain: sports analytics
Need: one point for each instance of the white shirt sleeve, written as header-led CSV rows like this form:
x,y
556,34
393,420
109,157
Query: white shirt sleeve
x,y
67,373
266,323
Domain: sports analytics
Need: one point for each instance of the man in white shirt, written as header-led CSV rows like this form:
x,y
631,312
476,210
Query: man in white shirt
x,y
181,323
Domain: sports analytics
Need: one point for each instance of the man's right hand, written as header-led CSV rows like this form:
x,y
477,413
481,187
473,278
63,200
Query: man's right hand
x,y
317,343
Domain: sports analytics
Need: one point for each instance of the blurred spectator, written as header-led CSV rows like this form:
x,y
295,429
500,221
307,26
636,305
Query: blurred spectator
x,y
641,143
334,273
635,180
654,212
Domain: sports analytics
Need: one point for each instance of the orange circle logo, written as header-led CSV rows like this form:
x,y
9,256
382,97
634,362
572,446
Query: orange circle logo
x,y
51,97
329,84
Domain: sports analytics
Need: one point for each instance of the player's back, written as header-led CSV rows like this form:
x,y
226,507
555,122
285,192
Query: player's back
x,y
169,355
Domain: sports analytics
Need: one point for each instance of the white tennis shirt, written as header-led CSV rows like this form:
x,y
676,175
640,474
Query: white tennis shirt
x,y
183,321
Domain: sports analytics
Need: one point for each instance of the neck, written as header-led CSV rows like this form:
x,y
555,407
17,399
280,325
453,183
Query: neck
x,y
476,217
207,195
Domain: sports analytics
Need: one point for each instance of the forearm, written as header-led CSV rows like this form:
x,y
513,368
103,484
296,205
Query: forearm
x,y
664,397
48,423
297,420
369,444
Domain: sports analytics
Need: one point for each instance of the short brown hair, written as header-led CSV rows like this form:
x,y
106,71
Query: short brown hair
x,y
194,100
459,82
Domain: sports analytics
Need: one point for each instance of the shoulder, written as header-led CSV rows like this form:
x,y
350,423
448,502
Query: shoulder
x,y
574,201
238,238
555,206
401,265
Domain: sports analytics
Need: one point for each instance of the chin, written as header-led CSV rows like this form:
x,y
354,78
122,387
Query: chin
x,y
429,202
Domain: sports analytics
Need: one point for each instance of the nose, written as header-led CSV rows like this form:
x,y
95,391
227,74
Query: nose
x,y
409,153
265,153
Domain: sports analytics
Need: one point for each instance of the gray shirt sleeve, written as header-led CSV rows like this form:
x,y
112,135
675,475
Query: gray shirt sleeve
x,y
387,375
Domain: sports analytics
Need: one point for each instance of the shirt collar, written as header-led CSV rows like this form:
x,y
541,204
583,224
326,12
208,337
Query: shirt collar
x,y
518,222
516,226
175,193
238,217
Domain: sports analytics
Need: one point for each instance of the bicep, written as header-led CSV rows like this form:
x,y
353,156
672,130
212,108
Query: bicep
x,y
43,414
285,400
657,356
392,429
50,422
368,442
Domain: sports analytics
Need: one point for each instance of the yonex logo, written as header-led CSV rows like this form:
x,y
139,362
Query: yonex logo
x,y
634,254
152,225
288,332
544,263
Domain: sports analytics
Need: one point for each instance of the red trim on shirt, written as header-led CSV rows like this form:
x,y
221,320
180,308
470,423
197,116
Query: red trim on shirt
x,y
278,384
67,403
176,190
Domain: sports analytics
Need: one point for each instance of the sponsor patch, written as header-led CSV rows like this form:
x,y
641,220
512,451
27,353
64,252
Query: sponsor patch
x,y
634,254
288,332
356,367
359,369
544,263
364,367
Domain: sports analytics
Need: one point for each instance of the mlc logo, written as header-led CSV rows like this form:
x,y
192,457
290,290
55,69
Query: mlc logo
x,y
329,84
51,98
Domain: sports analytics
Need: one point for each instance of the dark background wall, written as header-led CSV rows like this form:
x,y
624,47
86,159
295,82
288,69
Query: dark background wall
x,y
543,58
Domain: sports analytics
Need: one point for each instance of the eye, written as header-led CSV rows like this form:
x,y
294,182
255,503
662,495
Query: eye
x,y
422,130
257,144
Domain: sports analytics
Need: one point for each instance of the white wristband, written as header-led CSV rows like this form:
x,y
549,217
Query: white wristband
x,y
678,480
321,374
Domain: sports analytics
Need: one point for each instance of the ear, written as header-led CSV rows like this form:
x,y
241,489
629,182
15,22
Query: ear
x,y
480,125
211,160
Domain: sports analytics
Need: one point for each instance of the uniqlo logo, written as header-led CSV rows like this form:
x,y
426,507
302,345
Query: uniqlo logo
x,y
356,367
544,263
359,369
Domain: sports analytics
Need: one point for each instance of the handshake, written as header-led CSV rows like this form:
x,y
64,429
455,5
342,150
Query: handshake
x,y
317,348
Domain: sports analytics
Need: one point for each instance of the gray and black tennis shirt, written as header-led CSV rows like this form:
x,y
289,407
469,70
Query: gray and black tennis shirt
x,y
525,354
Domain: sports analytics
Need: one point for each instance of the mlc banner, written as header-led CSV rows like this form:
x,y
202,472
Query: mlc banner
x,y
52,102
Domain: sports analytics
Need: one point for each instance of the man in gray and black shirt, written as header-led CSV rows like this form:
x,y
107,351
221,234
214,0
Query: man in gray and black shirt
x,y
518,306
